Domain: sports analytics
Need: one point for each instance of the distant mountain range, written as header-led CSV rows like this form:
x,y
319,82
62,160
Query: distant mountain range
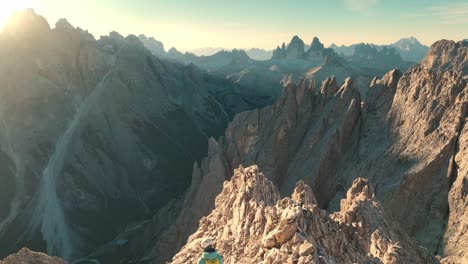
x,y
253,53
291,61
206,51
410,49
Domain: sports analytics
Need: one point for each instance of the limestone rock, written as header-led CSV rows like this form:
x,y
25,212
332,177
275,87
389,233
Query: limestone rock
x,y
456,236
445,55
252,224
295,49
26,256
316,45
407,138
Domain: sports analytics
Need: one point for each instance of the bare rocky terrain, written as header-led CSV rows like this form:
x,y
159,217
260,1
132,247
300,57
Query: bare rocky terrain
x,y
26,256
407,138
252,224
112,154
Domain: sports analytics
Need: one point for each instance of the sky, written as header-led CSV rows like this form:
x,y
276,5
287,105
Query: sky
x,y
191,24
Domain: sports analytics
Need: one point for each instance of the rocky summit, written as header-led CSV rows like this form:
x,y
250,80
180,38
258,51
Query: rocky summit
x,y
252,224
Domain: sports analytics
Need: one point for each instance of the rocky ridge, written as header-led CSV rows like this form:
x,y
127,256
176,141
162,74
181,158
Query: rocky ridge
x,y
410,49
296,50
252,224
370,55
155,46
293,62
446,55
407,138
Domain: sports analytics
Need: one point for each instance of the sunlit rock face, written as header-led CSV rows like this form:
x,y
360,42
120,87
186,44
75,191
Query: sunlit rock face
x,y
252,224
407,137
446,55
96,134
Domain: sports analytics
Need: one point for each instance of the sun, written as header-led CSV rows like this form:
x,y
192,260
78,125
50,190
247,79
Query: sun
x,y
9,6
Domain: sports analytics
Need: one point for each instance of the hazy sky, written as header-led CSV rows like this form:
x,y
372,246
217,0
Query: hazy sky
x,y
188,24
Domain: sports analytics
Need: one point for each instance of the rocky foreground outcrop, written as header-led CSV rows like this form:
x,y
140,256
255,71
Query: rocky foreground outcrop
x,y
252,224
26,256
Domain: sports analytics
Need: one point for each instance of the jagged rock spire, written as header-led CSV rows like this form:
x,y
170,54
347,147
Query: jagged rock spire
x,y
252,224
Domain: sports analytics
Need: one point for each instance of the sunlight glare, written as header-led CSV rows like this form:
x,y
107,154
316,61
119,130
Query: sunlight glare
x,y
9,6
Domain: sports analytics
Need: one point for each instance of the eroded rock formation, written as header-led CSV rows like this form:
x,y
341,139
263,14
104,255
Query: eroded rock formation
x,y
407,138
252,224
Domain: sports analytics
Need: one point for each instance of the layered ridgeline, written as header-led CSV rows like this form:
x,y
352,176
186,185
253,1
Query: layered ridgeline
x,y
410,49
291,61
96,135
252,224
408,138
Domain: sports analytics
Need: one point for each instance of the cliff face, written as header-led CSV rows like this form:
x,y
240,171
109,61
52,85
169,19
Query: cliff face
x,y
407,138
94,127
252,224
448,55
456,235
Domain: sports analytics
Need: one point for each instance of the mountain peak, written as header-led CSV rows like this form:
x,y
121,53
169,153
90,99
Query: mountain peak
x,y
63,23
251,223
155,46
408,41
26,22
174,51
296,39
316,45
115,35
414,40
447,55
142,37
295,49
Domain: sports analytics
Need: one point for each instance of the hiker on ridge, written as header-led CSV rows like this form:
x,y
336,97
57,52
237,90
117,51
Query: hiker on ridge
x,y
210,255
